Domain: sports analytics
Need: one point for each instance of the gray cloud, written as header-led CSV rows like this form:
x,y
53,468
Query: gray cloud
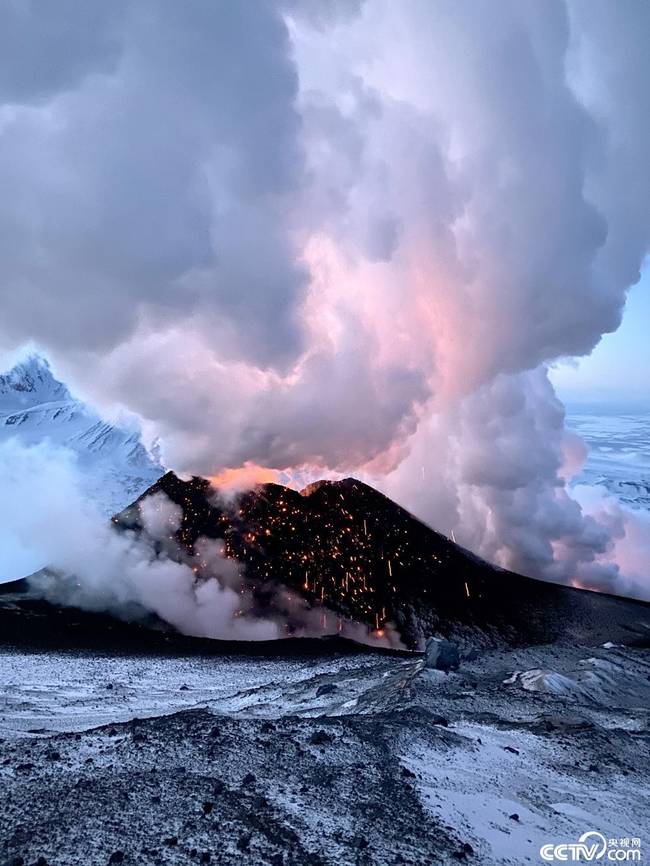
x,y
143,191
47,48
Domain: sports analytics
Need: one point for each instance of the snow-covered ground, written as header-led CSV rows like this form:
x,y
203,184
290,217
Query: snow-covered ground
x,y
362,759
49,692
619,455
114,467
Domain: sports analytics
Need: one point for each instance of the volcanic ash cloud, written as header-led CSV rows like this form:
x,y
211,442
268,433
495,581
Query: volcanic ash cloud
x,y
281,242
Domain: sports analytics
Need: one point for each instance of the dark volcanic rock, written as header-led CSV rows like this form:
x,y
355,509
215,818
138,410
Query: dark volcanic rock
x,y
441,654
320,738
327,689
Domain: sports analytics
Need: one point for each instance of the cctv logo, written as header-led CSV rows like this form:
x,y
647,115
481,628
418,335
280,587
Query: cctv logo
x,y
593,846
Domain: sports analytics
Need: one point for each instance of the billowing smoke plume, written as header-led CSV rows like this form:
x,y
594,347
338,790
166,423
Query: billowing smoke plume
x,y
503,459
328,237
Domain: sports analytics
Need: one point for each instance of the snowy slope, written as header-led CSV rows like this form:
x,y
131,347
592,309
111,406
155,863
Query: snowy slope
x,y
30,384
35,407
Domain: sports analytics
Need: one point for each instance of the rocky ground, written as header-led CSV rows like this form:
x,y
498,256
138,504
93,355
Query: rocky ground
x,y
359,759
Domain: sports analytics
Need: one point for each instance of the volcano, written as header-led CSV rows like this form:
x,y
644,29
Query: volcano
x,y
350,552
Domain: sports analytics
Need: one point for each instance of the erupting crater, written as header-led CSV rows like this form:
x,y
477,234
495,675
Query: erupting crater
x,y
352,554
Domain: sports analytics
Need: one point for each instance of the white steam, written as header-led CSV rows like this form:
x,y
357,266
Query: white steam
x,y
503,460
47,522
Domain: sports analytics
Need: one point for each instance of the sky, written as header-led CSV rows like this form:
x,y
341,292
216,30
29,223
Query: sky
x,y
615,377
323,238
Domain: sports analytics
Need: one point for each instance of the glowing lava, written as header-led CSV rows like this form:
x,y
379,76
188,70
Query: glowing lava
x,y
232,481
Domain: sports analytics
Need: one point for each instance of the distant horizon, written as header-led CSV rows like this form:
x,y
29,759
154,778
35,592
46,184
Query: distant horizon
x,y
605,407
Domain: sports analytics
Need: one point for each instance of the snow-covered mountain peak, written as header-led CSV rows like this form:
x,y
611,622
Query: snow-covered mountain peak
x,y
35,407
30,383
